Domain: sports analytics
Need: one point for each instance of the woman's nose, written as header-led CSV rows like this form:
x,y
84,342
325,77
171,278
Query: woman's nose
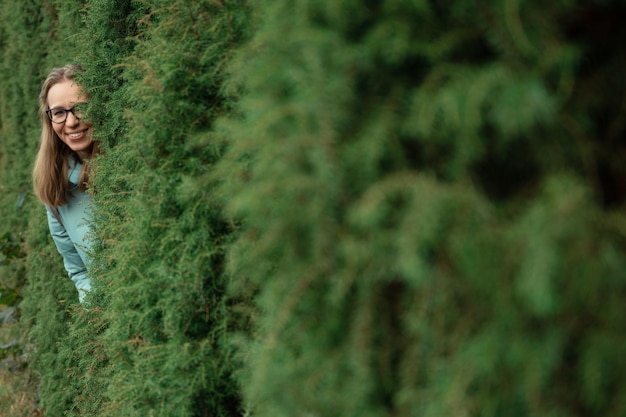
x,y
71,119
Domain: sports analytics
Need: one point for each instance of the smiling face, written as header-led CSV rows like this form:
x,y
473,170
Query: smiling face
x,y
75,133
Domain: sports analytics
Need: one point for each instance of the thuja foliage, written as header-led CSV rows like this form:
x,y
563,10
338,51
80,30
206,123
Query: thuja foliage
x,y
165,315
431,207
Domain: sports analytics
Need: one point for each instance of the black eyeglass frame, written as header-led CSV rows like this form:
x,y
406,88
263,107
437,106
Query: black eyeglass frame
x,y
67,111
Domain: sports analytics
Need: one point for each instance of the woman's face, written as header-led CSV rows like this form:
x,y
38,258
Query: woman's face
x,y
73,132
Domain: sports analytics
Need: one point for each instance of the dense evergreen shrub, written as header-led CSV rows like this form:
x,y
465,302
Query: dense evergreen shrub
x,y
429,208
161,278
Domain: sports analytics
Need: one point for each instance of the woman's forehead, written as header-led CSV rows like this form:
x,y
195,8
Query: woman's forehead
x,y
64,94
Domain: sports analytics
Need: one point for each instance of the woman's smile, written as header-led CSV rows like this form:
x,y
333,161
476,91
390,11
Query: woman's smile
x,y
77,135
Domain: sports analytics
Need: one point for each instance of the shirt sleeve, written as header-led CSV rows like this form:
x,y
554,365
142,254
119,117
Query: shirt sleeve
x,y
73,262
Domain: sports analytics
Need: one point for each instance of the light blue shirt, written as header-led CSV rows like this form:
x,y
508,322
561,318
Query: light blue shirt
x,y
72,236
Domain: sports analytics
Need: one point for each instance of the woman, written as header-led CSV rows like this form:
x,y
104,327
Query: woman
x,y
60,176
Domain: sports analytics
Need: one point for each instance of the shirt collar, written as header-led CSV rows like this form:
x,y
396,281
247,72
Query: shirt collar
x,y
73,170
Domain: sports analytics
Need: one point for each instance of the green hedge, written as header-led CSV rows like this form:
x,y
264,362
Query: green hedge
x,y
166,311
329,208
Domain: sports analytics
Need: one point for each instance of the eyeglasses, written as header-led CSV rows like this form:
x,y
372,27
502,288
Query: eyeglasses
x,y
59,114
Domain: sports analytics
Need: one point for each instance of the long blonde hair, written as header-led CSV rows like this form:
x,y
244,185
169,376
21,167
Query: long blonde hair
x,y
50,176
